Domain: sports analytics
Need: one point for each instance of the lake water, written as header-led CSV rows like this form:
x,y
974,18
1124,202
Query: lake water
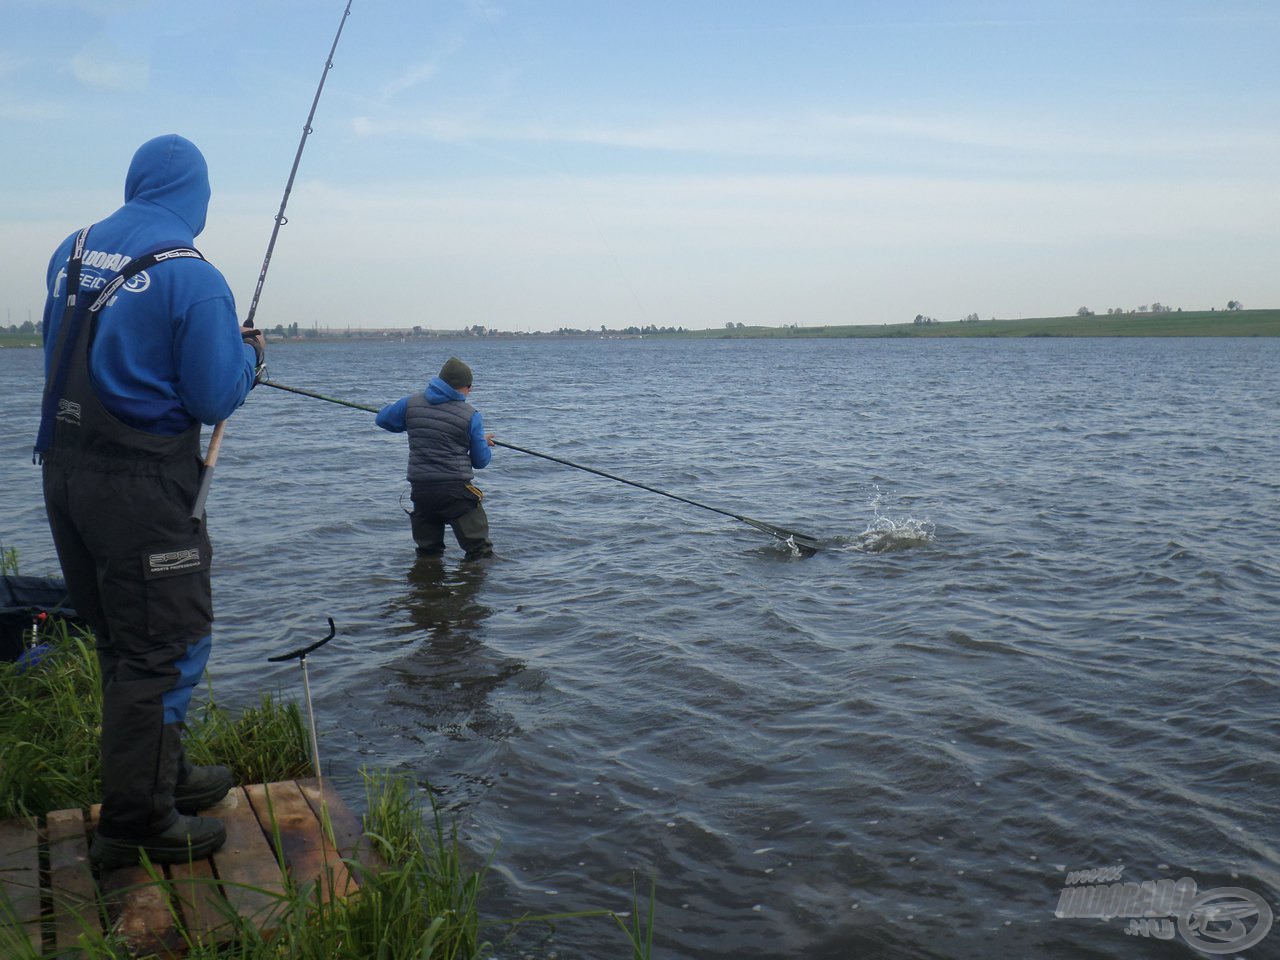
x,y
1040,638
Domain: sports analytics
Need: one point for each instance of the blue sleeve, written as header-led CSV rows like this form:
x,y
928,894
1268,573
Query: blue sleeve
x,y
391,417
216,368
480,452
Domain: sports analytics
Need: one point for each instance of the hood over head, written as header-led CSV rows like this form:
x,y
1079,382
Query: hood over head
x,y
439,391
171,172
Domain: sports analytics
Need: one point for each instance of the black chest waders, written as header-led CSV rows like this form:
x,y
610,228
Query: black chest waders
x,y
136,566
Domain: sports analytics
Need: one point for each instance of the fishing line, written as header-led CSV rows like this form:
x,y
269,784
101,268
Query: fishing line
x,y
215,441
801,543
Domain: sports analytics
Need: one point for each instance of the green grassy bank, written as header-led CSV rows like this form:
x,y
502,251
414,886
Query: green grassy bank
x,y
1207,323
1200,323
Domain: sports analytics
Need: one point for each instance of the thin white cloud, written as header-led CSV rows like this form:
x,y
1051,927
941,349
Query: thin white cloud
x,y
416,75
97,9
10,64
1069,17
781,213
23,110
102,65
489,11
835,136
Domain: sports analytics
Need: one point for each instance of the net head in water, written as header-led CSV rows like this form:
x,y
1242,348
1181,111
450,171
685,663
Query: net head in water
x,y
802,546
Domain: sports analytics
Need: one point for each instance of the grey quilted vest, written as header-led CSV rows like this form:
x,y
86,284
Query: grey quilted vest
x,y
439,440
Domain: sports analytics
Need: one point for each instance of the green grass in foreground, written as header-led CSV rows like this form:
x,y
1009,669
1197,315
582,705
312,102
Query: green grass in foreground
x,y
423,904
52,718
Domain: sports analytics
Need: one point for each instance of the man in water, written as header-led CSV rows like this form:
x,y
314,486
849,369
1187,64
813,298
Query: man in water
x,y
142,345
447,444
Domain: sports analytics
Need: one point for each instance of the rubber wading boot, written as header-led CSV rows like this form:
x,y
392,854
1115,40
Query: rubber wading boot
x,y
201,787
188,839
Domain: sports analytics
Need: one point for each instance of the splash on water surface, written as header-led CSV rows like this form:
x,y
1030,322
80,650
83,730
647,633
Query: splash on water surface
x,y
885,534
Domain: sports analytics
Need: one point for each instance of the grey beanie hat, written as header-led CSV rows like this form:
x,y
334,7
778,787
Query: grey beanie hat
x,y
456,373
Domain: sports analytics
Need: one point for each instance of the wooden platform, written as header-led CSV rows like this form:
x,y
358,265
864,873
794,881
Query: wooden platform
x,y
276,832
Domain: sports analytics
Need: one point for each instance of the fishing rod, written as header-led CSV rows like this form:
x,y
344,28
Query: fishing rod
x,y
806,545
215,441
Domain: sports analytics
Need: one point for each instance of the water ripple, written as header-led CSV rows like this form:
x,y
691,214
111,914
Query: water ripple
x,y
1038,637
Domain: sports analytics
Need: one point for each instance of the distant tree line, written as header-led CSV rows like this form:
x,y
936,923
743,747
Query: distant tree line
x,y
648,329
1155,307
923,320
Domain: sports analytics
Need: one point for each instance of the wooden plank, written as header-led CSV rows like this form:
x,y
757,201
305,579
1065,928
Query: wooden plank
x,y
205,910
283,812
342,828
149,908
20,877
143,916
138,906
74,896
246,865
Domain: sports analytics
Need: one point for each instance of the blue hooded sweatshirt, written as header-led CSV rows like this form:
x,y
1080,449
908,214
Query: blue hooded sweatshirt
x,y
168,350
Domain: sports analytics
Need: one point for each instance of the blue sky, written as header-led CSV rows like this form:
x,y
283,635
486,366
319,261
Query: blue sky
x,y
532,164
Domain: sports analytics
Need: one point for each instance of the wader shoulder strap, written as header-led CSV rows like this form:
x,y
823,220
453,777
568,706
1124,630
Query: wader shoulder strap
x,y
68,329
134,267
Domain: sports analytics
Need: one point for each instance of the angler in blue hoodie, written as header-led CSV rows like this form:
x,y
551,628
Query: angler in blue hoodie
x,y
142,346
447,443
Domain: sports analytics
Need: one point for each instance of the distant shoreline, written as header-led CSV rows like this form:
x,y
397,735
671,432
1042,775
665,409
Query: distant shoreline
x,y
1206,323
1200,323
